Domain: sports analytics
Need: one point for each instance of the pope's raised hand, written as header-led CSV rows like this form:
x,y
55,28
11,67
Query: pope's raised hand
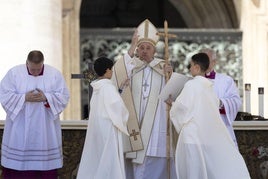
x,y
134,42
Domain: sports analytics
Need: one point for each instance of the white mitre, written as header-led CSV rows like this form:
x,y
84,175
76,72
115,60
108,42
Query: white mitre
x,y
147,32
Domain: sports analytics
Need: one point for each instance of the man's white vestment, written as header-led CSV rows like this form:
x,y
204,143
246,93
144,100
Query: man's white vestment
x,y
146,82
227,92
32,137
102,155
204,149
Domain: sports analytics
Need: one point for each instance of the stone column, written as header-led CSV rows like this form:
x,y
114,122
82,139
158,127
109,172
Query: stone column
x,y
27,25
71,56
254,24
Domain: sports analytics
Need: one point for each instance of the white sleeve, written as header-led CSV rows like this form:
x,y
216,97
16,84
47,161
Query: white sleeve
x,y
130,64
58,97
11,100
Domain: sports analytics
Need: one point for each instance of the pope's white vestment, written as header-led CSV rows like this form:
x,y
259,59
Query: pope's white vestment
x,y
32,135
227,92
204,149
147,81
102,155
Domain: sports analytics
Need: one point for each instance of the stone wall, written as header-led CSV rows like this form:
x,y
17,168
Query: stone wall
x,y
252,141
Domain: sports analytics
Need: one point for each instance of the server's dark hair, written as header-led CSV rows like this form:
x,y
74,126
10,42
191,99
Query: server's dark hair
x,y
101,64
202,60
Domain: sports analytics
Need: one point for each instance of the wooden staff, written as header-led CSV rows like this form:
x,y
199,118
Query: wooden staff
x,y
166,36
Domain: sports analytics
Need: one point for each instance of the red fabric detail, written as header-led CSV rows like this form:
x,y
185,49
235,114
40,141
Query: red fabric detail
x,y
46,104
222,111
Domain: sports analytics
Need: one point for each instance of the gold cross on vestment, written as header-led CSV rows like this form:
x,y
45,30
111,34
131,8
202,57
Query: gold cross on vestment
x,y
134,134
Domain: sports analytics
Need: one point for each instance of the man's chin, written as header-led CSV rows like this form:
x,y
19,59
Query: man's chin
x,y
144,59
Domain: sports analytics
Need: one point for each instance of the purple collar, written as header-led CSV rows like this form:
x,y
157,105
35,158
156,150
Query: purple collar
x,y
211,75
40,74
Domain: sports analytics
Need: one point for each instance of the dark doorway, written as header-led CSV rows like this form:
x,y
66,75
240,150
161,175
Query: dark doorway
x,y
128,13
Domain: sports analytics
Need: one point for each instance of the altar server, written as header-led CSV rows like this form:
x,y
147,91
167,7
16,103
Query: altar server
x,y
102,155
204,148
33,96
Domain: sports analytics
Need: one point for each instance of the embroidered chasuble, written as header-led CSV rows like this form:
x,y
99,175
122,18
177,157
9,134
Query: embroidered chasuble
x,y
132,142
146,82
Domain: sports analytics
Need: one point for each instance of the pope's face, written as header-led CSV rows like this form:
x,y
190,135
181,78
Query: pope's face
x,y
146,51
